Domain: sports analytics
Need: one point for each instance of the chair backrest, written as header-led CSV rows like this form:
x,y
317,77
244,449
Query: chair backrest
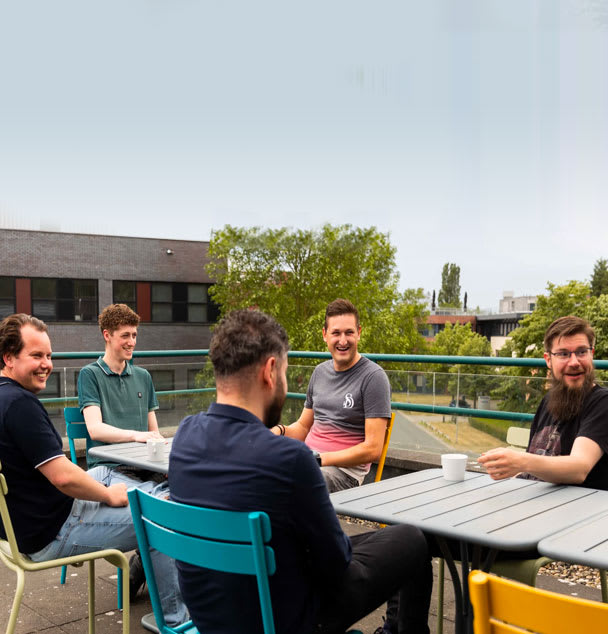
x,y
228,541
501,606
11,540
387,439
518,438
75,427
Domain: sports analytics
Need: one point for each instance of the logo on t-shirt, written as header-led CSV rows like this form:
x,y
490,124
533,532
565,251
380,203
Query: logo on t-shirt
x,y
348,401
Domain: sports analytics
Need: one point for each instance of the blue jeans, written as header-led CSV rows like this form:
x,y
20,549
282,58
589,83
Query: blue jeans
x,y
95,526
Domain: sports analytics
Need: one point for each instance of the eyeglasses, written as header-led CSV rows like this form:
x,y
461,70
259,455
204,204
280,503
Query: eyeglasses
x,y
564,355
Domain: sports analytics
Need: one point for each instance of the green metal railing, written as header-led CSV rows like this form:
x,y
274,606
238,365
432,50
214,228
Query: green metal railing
x,y
392,358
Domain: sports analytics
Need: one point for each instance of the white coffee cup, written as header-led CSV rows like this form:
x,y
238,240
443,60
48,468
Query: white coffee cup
x,y
156,449
454,465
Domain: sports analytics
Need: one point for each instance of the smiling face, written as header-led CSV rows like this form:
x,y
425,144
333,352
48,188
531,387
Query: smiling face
x,y
570,372
120,344
342,338
32,366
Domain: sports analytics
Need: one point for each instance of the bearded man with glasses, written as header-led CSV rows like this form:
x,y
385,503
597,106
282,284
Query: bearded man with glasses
x,y
569,434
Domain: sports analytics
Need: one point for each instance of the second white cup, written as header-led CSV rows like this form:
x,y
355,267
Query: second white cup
x,y
454,466
156,449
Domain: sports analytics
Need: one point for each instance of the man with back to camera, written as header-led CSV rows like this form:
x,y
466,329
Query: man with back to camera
x,y
348,404
227,458
569,434
119,404
57,509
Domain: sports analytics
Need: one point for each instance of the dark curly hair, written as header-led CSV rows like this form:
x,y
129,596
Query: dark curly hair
x,y
116,315
244,338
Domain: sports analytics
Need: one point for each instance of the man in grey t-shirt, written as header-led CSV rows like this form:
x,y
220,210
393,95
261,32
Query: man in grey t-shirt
x,y
348,404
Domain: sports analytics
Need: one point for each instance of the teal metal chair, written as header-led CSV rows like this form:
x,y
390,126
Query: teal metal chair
x,y
229,541
75,427
191,534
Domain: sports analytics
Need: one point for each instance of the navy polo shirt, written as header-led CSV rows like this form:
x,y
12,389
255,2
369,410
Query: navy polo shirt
x,y
28,439
227,459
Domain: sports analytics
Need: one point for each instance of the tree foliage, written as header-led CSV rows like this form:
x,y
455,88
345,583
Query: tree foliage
x,y
294,274
599,279
460,340
449,295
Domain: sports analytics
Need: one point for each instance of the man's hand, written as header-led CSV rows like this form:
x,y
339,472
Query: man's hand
x,y
117,495
142,436
502,463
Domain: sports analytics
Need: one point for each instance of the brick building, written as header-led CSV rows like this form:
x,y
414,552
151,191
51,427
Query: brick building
x,y
67,279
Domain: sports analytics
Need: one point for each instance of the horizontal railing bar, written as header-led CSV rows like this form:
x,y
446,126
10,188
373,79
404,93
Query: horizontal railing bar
x,y
304,354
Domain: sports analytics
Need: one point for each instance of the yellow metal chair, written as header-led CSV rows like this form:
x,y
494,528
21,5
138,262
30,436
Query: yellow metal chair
x,y
20,563
387,439
502,606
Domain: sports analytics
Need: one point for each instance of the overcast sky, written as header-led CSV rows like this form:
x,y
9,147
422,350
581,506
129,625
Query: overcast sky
x,y
474,131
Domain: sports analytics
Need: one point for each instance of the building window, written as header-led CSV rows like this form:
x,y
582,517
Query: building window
x,y
125,293
7,296
180,302
64,299
164,380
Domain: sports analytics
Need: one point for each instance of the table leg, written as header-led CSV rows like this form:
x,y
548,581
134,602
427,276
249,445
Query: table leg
x,y
449,560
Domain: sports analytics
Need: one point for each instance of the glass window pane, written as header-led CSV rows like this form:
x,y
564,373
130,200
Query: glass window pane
x,y
7,307
65,309
44,288
44,309
162,293
52,386
197,313
197,293
180,292
7,287
85,289
124,292
162,379
162,312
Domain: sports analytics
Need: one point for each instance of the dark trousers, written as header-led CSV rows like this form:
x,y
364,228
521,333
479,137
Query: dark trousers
x,y
384,562
393,606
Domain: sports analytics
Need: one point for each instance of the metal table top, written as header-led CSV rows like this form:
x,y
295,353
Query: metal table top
x,y
134,454
511,514
585,543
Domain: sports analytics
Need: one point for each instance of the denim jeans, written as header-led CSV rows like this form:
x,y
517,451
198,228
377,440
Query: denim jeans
x,y
94,526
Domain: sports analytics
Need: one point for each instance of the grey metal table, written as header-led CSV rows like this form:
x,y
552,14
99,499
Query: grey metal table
x,y
584,543
512,514
134,454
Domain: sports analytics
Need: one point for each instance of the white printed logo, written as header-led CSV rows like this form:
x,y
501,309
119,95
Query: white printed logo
x,y
348,401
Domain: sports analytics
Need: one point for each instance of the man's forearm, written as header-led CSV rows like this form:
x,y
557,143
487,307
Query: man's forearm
x,y
297,431
556,469
350,457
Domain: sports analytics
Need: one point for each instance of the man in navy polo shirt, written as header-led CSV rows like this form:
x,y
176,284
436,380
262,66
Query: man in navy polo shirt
x,y
57,509
227,458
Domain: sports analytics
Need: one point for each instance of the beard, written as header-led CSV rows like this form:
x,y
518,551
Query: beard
x,y
564,402
272,415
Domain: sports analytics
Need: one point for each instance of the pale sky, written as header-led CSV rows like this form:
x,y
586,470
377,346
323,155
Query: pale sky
x,y
474,131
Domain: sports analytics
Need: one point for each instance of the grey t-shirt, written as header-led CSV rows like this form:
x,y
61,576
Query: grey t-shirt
x,y
341,401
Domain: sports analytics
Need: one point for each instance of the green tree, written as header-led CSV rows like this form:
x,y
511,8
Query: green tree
x,y
449,295
294,274
599,279
469,380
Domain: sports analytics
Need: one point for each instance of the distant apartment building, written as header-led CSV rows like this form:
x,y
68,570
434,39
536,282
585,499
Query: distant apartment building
x,y
66,280
496,327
